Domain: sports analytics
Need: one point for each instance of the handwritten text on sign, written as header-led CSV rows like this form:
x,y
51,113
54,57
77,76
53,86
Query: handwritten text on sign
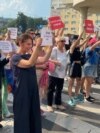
x,y
47,37
56,22
89,27
13,32
5,46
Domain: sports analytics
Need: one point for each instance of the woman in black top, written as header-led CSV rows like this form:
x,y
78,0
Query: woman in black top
x,y
2,64
75,69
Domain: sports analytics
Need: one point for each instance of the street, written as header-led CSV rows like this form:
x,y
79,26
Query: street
x,y
84,118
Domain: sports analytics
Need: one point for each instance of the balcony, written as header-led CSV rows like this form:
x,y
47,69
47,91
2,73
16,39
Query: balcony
x,y
86,3
61,3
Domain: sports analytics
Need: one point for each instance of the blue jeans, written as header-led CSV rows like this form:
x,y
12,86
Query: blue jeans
x,y
9,76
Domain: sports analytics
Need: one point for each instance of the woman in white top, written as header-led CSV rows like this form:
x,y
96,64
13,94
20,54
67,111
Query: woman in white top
x,y
56,78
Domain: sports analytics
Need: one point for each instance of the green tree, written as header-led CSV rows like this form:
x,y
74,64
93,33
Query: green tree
x,y
38,22
12,23
35,22
22,21
30,22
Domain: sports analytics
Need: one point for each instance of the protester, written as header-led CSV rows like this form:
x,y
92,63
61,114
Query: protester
x,y
67,41
2,63
26,98
56,78
75,71
90,69
7,79
31,32
8,69
42,78
91,41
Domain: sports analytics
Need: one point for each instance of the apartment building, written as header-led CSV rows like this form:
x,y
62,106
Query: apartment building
x,y
73,14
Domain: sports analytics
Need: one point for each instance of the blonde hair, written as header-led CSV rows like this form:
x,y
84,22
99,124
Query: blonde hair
x,y
45,48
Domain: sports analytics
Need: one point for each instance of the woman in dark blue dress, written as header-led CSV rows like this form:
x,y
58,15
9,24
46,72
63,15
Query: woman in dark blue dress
x,y
27,117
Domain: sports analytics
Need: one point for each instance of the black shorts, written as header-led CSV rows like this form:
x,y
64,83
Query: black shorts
x,y
75,70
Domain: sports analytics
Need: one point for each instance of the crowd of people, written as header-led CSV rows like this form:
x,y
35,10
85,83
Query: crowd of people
x,y
32,72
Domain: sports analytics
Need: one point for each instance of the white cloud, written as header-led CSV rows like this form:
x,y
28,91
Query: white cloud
x,y
10,8
14,2
13,6
18,5
2,6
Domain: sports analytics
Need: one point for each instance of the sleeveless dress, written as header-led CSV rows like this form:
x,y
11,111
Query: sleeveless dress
x,y
26,107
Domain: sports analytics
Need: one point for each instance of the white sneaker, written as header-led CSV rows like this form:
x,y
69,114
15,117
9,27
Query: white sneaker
x,y
9,115
61,107
50,109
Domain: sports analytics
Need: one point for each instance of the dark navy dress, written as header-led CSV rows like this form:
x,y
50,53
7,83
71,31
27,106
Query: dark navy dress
x,y
27,117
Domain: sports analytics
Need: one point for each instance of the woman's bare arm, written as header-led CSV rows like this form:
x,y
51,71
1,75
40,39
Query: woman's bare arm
x,y
46,56
31,62
73,46
95,45
85,42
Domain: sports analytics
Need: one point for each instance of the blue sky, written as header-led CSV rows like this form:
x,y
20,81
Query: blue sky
x,y
33,8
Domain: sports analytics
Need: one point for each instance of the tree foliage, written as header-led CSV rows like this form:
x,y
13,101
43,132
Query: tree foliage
x,y
23,22
12,23
30,22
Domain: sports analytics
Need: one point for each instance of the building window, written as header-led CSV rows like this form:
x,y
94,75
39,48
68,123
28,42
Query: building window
x,y
73,29
98,15
73,22
73,16
66,28
97,21
66,22
68,13
66,16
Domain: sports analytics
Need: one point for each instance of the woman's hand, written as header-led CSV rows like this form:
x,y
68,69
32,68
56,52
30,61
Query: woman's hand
x,y
58,63
38,41
8,56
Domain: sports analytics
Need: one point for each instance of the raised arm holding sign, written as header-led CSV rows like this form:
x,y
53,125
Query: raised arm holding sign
x,y
46,35
89,27
13,34
56,22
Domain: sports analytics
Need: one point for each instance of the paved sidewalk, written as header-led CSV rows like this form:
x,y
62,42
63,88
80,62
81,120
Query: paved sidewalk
x,y
84,118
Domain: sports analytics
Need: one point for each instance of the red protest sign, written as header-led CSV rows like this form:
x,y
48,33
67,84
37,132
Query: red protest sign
x,y
55,22
89,27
